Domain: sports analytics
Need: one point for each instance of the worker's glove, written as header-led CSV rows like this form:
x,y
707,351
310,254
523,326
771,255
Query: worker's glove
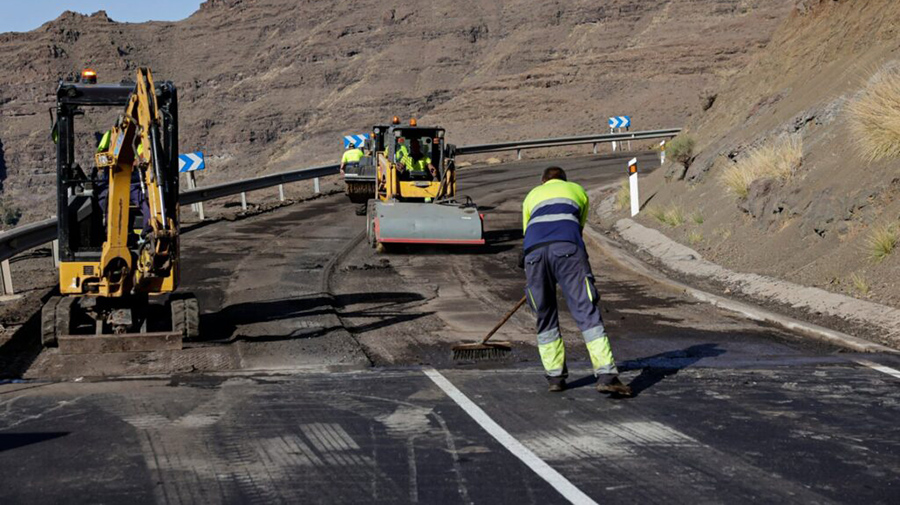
x,y
521,260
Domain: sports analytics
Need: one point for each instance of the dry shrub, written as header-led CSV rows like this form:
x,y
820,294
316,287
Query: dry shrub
x,y
875,117
681,149
778,160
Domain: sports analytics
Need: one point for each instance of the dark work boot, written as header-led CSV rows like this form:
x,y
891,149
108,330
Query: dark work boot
x,y
609,383
557,384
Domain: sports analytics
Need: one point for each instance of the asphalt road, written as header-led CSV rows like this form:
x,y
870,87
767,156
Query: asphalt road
x,y
324,376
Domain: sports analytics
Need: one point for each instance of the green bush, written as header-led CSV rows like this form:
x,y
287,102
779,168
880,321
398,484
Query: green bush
x,y
11,216
681,149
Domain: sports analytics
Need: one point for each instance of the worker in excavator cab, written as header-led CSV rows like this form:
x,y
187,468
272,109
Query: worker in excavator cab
x,y
412,161
137,192
352,155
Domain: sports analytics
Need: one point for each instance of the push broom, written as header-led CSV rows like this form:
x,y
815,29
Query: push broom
x,y
485,350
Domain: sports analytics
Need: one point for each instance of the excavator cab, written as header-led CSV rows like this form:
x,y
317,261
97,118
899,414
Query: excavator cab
x,y
117,218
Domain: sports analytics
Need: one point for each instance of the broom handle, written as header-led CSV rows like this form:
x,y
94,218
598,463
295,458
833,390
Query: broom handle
x,y
504,320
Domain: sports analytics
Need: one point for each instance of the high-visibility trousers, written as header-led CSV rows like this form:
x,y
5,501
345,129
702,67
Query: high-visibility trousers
x,y
566,264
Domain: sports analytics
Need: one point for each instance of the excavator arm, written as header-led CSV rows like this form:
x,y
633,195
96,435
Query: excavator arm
x,y
136,146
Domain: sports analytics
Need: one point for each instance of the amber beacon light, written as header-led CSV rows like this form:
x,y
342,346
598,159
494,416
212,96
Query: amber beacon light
x,y
89,76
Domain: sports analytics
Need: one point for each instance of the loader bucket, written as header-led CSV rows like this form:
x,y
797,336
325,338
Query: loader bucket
x,y
427,223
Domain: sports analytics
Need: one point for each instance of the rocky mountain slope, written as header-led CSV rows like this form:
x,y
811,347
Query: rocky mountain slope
x,y
268,85
827,218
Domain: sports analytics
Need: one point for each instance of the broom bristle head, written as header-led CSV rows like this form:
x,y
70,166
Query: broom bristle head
x,y
482,352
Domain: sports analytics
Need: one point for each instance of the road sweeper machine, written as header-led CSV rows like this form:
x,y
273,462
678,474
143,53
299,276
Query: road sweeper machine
x,y
117,194
415,200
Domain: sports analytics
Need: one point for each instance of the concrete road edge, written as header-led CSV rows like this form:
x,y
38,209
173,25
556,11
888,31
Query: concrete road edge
x,y
614,251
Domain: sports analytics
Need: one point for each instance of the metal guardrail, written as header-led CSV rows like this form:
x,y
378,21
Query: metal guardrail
x,y
566,141
262,182
32,235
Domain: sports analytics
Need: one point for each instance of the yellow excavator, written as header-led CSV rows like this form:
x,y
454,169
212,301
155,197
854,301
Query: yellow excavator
x,y
118,223
415,199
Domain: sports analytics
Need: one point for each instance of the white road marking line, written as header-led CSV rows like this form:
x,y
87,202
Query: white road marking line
x,y
881,368
531,460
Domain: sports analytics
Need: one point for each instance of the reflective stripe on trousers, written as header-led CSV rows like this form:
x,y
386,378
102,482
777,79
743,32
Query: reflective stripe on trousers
x,y
600,351
553,353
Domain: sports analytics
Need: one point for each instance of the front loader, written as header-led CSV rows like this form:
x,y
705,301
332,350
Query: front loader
x,y
418,207
118,225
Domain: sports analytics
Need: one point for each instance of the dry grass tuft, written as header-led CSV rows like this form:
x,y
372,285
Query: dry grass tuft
x,y
777,160
623,196
875,117
860,284
697,217
881,242
672,216
695,237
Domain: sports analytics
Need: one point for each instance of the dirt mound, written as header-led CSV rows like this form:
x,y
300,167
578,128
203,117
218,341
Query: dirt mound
x,y
811,216
272,84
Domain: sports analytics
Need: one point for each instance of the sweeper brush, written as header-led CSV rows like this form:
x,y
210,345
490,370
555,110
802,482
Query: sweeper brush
x,y
484,350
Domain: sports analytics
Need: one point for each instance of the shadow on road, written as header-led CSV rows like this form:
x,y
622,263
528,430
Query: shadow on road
x,y
294,318
657,367
9,441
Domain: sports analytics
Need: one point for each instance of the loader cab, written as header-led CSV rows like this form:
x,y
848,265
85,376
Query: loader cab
x,y
84,109
425,144
421,143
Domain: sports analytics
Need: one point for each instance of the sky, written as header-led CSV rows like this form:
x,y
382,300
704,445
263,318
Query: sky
x,y
26,15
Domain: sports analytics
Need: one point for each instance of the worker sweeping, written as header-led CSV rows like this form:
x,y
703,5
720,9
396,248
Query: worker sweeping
x,y
553,216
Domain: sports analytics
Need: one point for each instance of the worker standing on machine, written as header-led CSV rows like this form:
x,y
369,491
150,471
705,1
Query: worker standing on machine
x,y
352,155
553,216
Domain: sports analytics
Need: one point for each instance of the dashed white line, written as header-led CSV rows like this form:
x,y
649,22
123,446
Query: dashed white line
x,y
881,368
531,460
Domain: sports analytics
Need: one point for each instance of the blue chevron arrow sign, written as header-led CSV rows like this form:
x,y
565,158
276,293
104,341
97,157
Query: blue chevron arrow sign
x,y
620,122
355,140
191,162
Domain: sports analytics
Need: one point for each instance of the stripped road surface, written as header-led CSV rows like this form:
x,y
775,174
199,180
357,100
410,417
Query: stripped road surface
x,y
280,402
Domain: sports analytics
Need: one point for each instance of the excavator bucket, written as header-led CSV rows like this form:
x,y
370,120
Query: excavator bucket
x,y
446,222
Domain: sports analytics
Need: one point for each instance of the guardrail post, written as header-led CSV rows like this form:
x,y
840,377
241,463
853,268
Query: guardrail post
x,y
244,200
316,185
196,207
518,154
281,192
54,248
7,278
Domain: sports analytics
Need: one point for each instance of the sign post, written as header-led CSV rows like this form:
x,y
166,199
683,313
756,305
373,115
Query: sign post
x,y
190,163
616,123
633,186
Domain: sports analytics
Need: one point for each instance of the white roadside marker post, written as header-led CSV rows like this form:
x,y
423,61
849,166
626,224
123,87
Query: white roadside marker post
x,y
611,131
633,186
243,201
662,153
316,185
281,192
